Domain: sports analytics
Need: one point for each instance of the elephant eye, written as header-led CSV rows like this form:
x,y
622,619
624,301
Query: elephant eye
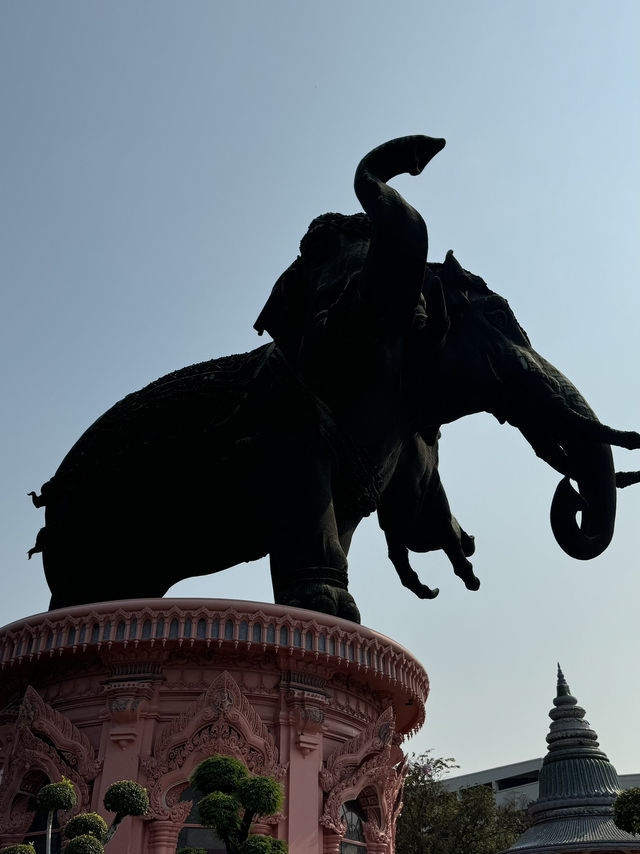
x,y
498,318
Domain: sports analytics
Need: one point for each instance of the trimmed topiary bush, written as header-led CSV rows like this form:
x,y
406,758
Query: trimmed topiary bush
x,y
263,845
85,844
86,823
261,795
126,798
626,810
53,797
21,848
220,811
57,796
219,774
231,802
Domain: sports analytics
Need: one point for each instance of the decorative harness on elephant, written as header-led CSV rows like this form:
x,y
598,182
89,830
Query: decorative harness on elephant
x,y
216,397
359,483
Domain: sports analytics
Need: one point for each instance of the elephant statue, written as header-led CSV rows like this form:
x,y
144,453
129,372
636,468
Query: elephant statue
x,y
285,449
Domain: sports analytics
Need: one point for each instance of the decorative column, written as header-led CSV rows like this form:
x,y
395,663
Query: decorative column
x,y
306,699
331,842
162,836
128,693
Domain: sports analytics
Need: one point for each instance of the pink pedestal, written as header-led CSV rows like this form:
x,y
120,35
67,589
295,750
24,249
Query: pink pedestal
x,y
147,689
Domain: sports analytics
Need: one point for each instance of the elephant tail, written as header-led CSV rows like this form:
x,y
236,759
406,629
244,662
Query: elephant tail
x,y
38,547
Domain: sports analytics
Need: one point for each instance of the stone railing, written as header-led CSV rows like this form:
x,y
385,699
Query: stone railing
x,y
290,632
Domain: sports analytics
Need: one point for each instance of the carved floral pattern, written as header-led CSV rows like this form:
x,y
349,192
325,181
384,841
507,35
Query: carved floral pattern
x,y
220,721
370,760
47,740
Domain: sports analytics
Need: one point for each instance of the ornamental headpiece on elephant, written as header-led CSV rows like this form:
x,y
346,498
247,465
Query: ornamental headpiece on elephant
x,y
285,449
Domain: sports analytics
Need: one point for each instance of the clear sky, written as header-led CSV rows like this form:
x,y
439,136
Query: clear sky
x,y
159,162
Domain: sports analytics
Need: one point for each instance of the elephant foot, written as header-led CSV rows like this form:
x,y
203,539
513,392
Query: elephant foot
x,y
465,572
326,598
472,583
468,543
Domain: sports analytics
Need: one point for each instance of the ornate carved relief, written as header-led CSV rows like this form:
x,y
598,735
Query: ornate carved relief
x,y
306,698
220,721
370,761
47,740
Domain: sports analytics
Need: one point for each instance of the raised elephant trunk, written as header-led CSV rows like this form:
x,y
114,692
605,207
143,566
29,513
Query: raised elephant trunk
x,y
563,430
395,265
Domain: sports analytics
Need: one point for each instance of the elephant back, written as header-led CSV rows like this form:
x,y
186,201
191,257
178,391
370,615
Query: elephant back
x,y
170,423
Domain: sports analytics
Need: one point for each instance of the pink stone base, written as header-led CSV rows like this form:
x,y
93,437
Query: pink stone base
x,y
147,689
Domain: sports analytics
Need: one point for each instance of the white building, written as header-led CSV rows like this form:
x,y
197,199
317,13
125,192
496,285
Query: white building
x,y
518,781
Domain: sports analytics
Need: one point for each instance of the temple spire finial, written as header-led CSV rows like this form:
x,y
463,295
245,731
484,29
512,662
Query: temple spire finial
x,y
576,789
563,687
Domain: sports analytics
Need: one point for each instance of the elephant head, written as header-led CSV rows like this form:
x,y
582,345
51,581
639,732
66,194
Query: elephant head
x,y
487,363
465,352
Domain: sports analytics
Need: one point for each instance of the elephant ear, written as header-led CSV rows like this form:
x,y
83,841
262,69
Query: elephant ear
x,y
459,284
437,324
284,313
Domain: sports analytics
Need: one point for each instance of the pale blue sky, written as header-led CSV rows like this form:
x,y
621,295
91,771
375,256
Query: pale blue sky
x,y
159,162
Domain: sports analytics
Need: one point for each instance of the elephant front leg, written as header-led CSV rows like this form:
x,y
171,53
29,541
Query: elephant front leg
x,y
458,545
399,557
308,564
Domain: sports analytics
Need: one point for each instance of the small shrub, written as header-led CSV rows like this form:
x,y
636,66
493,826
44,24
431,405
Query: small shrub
x,y
261,795
126,798
219,774
190,850
263,845
57,796
220,811
86,823
626,810
19,849
86,844
256,845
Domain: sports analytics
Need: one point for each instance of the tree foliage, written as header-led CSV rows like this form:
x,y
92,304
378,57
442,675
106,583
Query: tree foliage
x,y
232,799
84,844
126,797
20,848
86,823
219,774
436,821
57,796
626,810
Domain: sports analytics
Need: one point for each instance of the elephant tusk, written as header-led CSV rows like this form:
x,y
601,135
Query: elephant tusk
x,y
627,478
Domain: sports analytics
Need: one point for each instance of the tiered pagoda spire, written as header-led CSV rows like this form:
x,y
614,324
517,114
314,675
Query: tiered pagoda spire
x,y
577,788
